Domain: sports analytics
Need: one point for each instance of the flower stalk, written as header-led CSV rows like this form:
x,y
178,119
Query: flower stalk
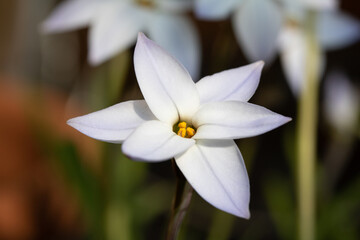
x,y
180,205
306,132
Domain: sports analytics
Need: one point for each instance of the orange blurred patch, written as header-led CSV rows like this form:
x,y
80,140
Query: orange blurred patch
x,y
33,196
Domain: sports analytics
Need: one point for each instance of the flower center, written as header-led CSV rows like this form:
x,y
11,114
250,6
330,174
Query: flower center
x,y
145,3
184,130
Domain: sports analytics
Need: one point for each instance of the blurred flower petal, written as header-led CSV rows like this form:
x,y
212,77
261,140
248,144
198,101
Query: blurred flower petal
x,y
165,84
293,56
155,141
294,10
216,170
293,50
215,9
237,84
257,25
336,29
114,30
115,123
177,35
342,102
320,4
69,15
233,119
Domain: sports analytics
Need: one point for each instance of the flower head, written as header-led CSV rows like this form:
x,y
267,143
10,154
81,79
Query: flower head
x,y
265,27
114,24
192,123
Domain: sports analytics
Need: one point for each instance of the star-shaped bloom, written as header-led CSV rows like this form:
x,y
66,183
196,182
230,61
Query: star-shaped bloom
x,y
114,24
192,123
263,27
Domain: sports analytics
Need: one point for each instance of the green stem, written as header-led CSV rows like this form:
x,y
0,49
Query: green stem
x,y
308,107
180,203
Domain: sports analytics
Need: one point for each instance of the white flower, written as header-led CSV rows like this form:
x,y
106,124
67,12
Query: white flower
x,y
333,30
341,103
193,123
256,23
114,25
263,27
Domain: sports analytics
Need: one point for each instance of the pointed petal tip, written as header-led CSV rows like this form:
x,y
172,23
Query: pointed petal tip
x,y
283,120
141,36
287,119
142,40
96,59
71,122
43,28
242,214
260,63
47,27
246,216
68,122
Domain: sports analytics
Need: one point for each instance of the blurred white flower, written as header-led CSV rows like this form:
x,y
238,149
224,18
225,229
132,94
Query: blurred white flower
x,y
263,27
333,30
114,25
193,123
341,103
256,23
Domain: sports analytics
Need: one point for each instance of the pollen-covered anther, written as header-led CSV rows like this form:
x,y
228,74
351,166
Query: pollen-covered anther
x,y
190,132
182,130
182,125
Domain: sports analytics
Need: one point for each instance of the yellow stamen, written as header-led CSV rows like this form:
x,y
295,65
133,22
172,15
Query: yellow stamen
x,y
190,132
182,125
182,132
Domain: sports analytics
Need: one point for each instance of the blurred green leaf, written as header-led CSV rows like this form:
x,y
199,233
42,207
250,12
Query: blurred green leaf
x,y
289,143
85,184
122,177
153,200
278,196
107,81
339,218
248,150
221,226
118,219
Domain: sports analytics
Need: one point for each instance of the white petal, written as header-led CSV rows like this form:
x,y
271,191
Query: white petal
x,y
293,56
114,30
155,141
165,84
215,9
342,102
216,170
257,25
294,10
293,53
237,84
115,123
233,119
177,35
336,30
320,4
69,15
